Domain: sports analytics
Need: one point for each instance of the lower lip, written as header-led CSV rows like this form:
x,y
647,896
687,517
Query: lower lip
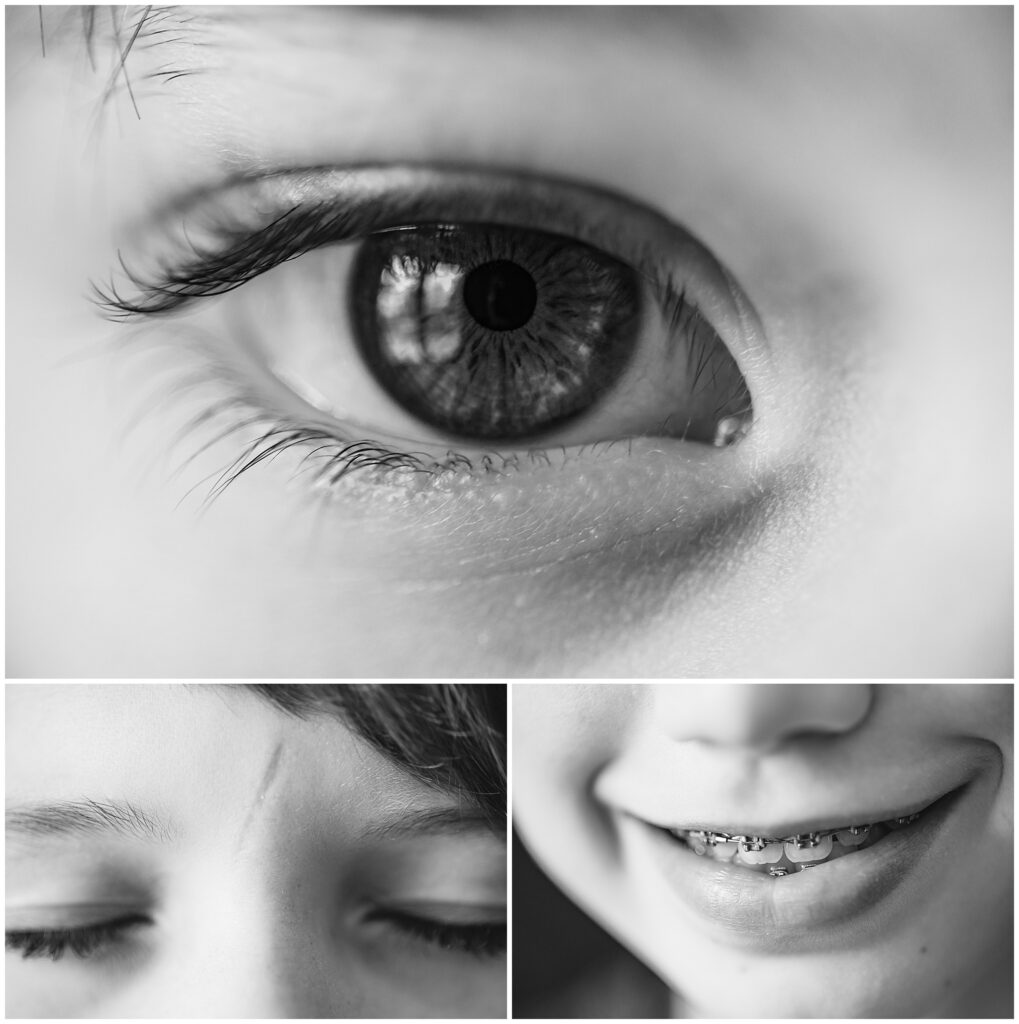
x,y
758,910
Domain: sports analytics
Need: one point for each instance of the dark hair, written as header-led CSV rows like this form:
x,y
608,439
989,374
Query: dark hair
x,y
450,735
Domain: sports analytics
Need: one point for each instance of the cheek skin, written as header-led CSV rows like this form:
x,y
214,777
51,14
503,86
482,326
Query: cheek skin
x,y
552,778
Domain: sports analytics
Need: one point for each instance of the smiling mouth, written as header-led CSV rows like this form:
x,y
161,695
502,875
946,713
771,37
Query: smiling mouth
x,y
778,857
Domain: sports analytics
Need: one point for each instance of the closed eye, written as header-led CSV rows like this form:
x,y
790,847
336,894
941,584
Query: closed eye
x,y
479,938
84,942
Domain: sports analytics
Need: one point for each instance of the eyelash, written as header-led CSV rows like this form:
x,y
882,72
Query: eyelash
x,y
481,940
485,939
83,943
338,456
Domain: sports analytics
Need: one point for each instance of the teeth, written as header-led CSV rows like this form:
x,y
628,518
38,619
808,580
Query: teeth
x,y
808,848
854,835
724,851
751,844
770,853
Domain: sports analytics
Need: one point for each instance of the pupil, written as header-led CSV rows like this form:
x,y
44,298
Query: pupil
x,y
500,295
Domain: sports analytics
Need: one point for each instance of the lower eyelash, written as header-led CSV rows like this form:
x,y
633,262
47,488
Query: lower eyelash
x,y
230,410
328,459
338,458
85,942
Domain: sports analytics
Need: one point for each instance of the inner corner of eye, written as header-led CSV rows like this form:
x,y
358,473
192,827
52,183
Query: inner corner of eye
x,y
502,335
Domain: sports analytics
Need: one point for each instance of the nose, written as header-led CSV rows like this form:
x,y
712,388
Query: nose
x,y
241,957
231,984
760,716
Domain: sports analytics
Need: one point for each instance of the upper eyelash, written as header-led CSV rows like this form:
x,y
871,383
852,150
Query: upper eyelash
x,y
245,253
251,255
82,942
481,939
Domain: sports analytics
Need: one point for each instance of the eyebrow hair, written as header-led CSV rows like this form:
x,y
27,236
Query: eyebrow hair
x,y
68,818
441,821
117,31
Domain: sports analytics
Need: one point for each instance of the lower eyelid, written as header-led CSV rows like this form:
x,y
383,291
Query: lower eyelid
x,y
233,427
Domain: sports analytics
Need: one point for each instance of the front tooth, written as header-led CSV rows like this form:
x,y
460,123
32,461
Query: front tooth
x,y
722,850
808,848
771,853
853,836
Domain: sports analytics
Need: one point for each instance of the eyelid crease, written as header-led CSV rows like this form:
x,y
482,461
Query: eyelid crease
x,y
446,911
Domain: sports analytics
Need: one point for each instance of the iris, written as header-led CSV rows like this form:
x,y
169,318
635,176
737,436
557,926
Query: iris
x,y
493,333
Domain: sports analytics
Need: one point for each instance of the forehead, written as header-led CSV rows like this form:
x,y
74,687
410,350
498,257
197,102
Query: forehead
x,y
773,105
913,49
197,751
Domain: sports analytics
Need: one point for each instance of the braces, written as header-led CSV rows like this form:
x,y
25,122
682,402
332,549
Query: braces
x,y
755,844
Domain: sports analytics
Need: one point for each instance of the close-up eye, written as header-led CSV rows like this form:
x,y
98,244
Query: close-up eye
x,y
424,310
503,342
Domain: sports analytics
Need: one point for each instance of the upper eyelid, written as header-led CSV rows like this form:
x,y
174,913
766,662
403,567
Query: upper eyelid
x,y
374,197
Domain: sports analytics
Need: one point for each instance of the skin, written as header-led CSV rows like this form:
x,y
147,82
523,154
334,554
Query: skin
x,y
277,837
851,168
768,753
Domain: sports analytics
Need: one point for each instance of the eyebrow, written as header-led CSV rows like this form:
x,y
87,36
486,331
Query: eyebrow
x,y
94,818
442,821
70,818
119,31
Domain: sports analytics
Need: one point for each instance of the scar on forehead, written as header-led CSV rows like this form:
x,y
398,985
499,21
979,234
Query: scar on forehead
x,y
268,778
